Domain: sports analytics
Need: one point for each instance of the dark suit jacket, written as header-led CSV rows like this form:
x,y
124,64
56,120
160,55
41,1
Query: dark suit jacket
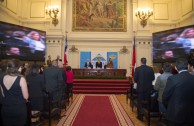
x,y
178,96
86,65
98,65
144,75
53,78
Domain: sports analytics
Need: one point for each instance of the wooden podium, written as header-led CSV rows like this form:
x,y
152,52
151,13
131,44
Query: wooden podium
x,y
99,72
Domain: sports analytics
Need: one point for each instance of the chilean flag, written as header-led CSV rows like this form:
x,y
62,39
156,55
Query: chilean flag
x,y
65,56
133,57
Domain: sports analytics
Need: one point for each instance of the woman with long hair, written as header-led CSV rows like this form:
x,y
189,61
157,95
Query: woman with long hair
x,y
15,95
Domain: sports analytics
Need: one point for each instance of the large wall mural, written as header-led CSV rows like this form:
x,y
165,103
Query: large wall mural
x,y
99,15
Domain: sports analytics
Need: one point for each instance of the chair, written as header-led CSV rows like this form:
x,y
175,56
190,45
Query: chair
x,y
36,117
132,95
150,108
51,107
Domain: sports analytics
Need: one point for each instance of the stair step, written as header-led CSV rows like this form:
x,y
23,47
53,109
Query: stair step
x,y
101,80
112,83
100,91
99,88
103,85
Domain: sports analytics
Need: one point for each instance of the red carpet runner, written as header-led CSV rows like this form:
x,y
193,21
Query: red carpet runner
x,y
95,110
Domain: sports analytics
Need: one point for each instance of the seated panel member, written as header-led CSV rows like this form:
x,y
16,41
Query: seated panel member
x,y
98,64
88,64
110,64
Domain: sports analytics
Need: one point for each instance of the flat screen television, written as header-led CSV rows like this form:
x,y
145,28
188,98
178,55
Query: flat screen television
x,y
172,44
22,42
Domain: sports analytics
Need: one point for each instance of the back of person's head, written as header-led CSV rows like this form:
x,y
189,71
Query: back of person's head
x,y
13,66
167,67
60,64
181,64
191,59
3,65
54,63
143,60
34,70
68,68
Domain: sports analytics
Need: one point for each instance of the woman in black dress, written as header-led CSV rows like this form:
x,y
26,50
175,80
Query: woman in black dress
x,y
15,95
35,84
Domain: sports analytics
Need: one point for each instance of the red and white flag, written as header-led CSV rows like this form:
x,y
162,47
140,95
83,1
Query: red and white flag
x,y
133,57
65,50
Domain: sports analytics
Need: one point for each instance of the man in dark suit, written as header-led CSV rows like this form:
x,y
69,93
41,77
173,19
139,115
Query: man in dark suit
x,y
178,96
53,80
88,64
144,75
98,64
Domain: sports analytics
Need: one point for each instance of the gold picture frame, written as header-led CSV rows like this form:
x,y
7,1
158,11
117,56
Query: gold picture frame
x,y
99,16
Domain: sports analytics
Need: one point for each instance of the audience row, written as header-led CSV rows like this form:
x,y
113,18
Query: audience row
x,y
175,91
26,83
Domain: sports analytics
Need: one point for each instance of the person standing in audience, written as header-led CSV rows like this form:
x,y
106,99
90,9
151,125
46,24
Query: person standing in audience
x,y
70,78
156,74
15,95
58,58
88,64
63,85
144,75
49,62
36,85
53,80
178,96
98,64
3,67
41,69
191,63
24,69
161,83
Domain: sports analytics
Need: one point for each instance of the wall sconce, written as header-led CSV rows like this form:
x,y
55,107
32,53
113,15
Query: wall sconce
x,y
52,11
144,14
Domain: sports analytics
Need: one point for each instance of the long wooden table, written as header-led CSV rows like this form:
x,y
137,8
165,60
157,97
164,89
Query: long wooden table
x,y
99,72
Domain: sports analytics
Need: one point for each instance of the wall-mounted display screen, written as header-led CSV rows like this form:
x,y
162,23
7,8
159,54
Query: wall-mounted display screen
x,y
21,42
172,44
